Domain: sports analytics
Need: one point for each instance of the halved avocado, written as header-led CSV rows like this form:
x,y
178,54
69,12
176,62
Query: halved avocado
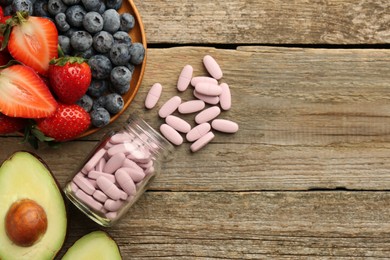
x,y
33,217
97,245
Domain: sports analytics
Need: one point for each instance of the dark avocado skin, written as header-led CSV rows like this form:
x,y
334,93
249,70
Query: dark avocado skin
x,y
39,169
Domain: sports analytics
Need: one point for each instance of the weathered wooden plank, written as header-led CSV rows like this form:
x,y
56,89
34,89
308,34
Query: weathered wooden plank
x,y
251,225
266,22
309,118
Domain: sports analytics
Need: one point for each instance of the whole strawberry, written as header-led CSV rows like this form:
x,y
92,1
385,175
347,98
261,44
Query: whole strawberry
x,y
69,78
66,123
11,124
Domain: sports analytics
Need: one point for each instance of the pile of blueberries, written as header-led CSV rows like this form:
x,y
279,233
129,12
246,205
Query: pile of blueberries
x,y
94,30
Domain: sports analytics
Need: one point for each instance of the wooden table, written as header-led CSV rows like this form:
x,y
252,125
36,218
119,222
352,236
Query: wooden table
x,y
306,176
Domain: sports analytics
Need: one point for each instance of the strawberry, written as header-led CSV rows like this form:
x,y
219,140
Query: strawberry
x,y
31,40
24,94
69,78
66,123
11,124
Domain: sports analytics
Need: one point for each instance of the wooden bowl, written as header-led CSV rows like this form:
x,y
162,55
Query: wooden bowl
x,y
137,34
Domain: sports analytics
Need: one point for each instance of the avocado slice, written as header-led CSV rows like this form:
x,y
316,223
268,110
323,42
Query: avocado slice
x,y
33,216
97,245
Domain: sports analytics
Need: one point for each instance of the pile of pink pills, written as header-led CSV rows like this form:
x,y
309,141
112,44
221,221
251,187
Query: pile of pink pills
x,y
111,178
211,98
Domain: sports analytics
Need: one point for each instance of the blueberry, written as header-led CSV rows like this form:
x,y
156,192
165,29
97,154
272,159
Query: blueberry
x,y
137,52
64,43
114,103
71,2
81,41
93,22
120,89
111,20
131,67
120,54
102,8
100,117
100,66
7,10
99,102
122,37
75,15
56,6
70,32
22,5
40,8
127,22
114,4
120,75
85,54
61,23
97,88
85,102
102,41
91,5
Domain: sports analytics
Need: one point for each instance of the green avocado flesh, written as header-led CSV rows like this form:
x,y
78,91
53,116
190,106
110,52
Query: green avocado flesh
x,y
96,245
24,176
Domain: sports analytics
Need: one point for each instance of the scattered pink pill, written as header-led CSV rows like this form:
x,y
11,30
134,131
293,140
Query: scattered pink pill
x,y
185,78
153,96
212,67
208,89
169,107
213,100
201,142
196,80
207,114
178,124
125,182
83,183
198,131
109,188
225,99
224,125
88,200
171,134
191,106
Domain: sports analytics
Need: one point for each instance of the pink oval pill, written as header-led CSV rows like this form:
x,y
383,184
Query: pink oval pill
x,y
153,96
185,78
212,67
224,125
114,163
83,183
88,200
225,99
100,165
125,182
191,106
201,142
207,114
94,160
198,131
100,196
196,80
109,188
208,89
131,164
213,100
178,124
135,175
96,174
171,134
169,107
113,205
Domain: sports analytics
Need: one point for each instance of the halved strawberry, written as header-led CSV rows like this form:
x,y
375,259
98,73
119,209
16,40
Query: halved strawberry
x,y
24,94
32,41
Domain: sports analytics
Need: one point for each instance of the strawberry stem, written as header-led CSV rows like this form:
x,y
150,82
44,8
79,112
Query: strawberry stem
x,y
61,61
5,29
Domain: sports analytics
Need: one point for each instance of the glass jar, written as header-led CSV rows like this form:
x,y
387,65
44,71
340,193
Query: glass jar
x,y
117,171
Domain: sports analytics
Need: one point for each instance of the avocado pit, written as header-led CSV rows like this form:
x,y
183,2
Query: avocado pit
x,y
26,222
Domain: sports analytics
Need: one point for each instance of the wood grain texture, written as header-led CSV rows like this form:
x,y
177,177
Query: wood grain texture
x,y
251,225
266,22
